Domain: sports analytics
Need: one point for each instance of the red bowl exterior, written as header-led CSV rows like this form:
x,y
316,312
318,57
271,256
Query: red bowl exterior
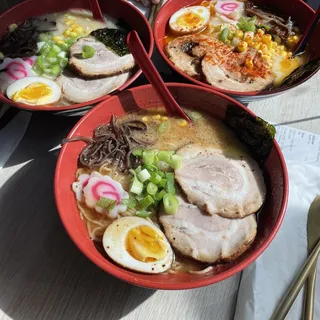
x,y
299,10
118,9
270,217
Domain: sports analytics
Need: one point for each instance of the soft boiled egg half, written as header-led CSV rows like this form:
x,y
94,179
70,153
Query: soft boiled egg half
x,y
189,20
34,91
137,244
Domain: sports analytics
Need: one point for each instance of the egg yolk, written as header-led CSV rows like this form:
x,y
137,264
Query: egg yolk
x,y
35,93
190,19
145,244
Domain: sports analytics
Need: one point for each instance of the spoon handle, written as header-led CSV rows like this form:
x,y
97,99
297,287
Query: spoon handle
x,y
296,286
305,37
309,298
142,59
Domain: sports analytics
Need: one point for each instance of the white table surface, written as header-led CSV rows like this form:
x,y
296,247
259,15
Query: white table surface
x,y
42,273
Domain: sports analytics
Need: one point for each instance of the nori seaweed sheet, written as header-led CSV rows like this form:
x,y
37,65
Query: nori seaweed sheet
x,y
254,132
113,39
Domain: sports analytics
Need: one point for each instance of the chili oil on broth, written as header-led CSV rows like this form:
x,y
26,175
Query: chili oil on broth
x,y
206,131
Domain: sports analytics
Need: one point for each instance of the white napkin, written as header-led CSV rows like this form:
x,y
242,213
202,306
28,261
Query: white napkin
x,y
266,280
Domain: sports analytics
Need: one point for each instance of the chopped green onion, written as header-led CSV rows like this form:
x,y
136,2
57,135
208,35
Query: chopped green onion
x,y
164,166
264,26
130,203
70,41
170,203
88,52
52,59
151,168
137,170
63,62
194,115
136,186
12,27
247,24
224,35
144,175
1,55
148,157
162,183
143,213
137,152
152,188
155,178
170,183
159,196
163,127
55,70
106,203
43,37
146,202
165,156
45,48
176,161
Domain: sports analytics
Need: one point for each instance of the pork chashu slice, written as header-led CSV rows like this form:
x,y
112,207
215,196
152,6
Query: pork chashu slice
x,y
221,184
207,238
77,89
104,62
219,64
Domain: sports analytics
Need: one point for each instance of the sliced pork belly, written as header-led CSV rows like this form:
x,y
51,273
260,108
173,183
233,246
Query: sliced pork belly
x,y
233,74
218,63
104,63
221,184
208,238
79,90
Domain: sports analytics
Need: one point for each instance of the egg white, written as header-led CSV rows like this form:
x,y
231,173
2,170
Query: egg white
x,y
114,243
24,82
199,10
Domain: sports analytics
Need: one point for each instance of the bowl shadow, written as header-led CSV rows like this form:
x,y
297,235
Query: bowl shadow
x,y
42,273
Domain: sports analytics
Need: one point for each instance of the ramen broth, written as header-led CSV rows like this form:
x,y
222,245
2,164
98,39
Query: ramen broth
x,y
206,131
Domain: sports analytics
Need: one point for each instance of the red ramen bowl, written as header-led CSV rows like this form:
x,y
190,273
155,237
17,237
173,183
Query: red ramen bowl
x,y
143,97
119,9
300,12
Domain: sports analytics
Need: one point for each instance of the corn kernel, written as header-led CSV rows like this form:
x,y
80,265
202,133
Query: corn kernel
x,y
283,53
74,25
274,45
78,29
295,38
69,22
145,119
260,32
239,34
267,37
242,46
277,39
282,47
67,33
256,45
227,42
73,34
265,56
156,117
289,54
164,118
182,123
264,47
60,42
248,63
56,38
205,4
